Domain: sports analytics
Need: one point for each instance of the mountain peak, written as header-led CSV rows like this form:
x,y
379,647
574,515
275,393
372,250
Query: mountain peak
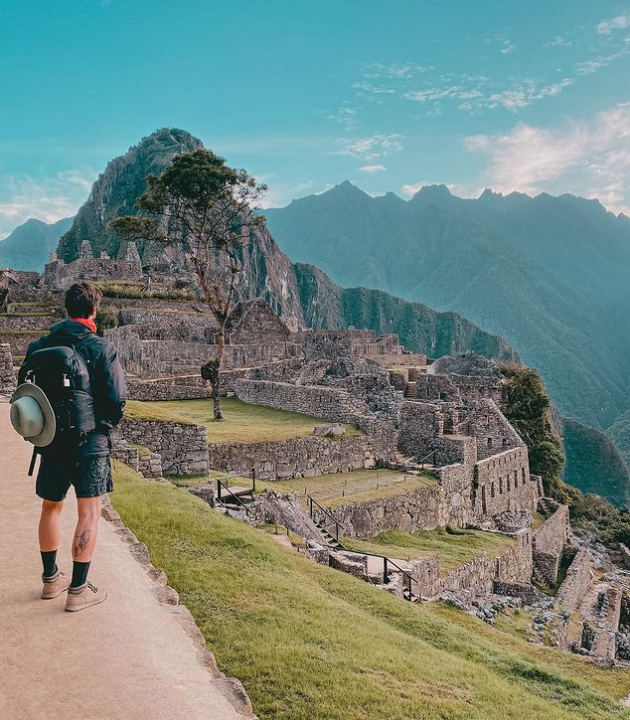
x,y
433,192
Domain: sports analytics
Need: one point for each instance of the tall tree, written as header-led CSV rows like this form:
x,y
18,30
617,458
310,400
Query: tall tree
x,y
207,209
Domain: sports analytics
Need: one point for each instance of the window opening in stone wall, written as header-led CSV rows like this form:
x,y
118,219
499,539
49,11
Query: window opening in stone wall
x,y
489,442
500,486
492,490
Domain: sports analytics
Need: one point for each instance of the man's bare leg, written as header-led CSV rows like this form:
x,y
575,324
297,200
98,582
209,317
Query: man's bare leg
x,y
55,582
84,540
49,526
83,594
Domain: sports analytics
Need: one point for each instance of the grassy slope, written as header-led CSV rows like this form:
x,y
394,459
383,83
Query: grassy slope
x,y
310,643
243,423
351,484
454,548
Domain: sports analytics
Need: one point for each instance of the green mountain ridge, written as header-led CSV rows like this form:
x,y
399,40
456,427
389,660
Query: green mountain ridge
x,y
29,246
547,274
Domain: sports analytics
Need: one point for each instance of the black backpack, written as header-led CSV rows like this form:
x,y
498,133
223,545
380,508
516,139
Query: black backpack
x,y
62,374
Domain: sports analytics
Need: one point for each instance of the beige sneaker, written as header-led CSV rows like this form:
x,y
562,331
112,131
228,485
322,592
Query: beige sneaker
x,y
84,597
54,585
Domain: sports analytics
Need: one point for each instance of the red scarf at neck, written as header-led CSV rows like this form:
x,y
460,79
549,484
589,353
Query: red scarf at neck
x,y
88,322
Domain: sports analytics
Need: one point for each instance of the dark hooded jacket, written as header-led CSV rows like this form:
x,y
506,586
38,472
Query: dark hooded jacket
x,y
106,375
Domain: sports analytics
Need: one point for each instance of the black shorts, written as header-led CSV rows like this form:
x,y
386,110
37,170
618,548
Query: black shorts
x,y
91,477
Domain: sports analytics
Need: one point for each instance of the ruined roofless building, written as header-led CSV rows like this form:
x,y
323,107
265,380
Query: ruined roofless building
x,y
59,276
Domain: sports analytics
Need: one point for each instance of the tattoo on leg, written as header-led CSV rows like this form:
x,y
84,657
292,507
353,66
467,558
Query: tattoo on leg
x,y
81,541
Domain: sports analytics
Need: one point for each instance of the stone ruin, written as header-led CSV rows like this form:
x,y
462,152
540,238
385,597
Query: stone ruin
x,y
443,417
58,275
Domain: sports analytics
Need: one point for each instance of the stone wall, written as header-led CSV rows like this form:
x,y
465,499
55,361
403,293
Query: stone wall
x,y
166,389
436,387
548,546
27,289
479,575
150,358
20,340
327,403
7,374
183,448
502,484
577,582
421,509
472,387
484,420
148,465
296,457
254,322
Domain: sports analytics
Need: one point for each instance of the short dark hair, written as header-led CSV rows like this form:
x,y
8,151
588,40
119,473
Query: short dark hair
x,y
82,299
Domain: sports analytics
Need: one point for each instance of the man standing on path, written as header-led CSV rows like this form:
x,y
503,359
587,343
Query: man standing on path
x,y
84,462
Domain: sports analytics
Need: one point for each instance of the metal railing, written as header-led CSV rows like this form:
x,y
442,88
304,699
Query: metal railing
x,y
327,514
423,461
223,485
386,574
387,562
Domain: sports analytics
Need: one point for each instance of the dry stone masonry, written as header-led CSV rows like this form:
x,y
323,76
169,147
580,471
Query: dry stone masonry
x,y
7,373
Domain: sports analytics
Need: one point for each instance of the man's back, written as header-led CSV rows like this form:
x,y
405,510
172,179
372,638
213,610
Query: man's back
x,y
106,375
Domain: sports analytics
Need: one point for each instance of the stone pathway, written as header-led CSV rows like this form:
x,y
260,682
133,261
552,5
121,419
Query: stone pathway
x,y
127,659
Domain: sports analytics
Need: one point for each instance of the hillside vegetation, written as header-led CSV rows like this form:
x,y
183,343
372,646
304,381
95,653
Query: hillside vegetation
x,y
549,274
311,643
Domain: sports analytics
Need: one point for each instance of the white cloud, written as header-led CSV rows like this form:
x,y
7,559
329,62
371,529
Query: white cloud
x,y
368,87
560,41
371,169
508,48
395,71
280,194
617,23
588,158
477,94
48,199
346,116
371,147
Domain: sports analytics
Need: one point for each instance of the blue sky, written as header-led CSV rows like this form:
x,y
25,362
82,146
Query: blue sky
x,y
390,94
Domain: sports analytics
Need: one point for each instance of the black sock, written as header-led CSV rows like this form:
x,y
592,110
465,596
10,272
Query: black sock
x,y
49,559
79,574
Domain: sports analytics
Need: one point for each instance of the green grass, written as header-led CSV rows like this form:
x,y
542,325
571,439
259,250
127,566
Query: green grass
x,y
350,486
311,643
243,423
454,546
142,450
134,291
538,519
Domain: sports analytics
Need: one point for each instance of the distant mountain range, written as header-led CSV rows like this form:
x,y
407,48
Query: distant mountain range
x,y
549,274
29,246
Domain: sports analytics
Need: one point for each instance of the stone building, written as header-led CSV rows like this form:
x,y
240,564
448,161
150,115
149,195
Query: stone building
x,y
59,275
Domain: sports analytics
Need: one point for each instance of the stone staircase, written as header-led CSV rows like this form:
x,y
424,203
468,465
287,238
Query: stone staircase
x,y
410,389
329,539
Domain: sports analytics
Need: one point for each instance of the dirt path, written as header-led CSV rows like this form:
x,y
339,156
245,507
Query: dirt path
x,y
127,659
